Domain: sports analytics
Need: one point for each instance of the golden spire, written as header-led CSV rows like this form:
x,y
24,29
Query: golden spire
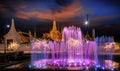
x,y
35,33
93,34
54,25
30,35
54,33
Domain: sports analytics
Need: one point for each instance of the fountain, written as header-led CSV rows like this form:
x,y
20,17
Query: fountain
x,y
70,53
105,55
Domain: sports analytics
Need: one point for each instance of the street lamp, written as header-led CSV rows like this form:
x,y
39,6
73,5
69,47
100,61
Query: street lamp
x,y
86,22
7,25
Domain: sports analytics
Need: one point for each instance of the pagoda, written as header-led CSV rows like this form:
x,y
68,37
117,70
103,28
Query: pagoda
x,y
54,33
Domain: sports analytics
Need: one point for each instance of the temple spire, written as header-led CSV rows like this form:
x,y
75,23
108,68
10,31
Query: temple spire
x,y
12,30
30,35
34,32
12,26
12,22
93,34
54,25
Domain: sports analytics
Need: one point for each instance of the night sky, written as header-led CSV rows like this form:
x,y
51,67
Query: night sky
x,y
103,15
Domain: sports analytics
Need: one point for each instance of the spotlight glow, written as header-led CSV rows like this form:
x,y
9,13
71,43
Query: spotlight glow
x,y
7,26
13,46
86,22
112,69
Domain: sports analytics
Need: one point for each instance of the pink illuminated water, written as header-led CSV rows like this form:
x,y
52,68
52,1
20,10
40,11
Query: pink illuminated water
x,y
71,52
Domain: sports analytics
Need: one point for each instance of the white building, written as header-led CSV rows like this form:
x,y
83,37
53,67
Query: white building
x,y
13,36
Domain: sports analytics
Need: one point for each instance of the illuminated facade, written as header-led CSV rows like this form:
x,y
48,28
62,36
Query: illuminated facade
x,y
54,33
27,37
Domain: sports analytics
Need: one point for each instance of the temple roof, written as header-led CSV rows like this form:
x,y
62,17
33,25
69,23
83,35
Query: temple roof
x,y
87,37
12,34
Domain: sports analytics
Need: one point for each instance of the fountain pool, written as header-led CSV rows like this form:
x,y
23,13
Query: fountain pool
x,y
72,52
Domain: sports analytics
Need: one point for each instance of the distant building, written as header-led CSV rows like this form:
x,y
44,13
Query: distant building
x,y
87,37
54,34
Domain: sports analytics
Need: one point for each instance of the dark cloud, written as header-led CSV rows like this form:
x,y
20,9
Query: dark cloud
x,y
103,18
64,2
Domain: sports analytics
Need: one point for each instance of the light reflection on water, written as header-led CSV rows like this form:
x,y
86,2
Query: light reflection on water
x,y
108,65
115,66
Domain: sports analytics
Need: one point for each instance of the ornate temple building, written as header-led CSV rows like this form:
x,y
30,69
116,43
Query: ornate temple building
x,y
12,35
54,34
17,37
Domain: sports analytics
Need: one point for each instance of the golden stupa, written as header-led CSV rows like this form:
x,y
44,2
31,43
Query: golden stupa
x,y
54,34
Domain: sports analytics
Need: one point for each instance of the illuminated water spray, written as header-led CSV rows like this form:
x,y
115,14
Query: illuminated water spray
x,y
71,52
